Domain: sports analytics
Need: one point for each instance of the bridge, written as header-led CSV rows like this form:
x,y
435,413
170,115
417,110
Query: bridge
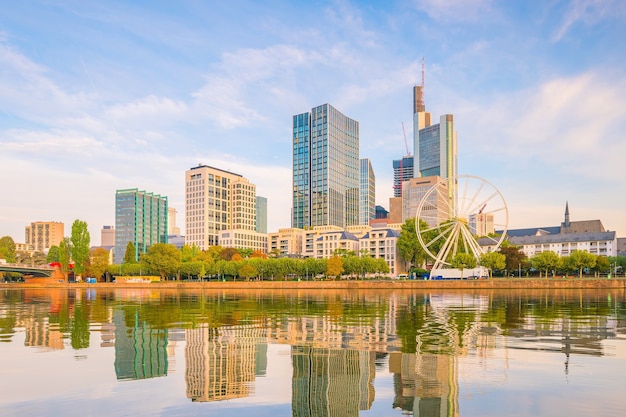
x,y
35,271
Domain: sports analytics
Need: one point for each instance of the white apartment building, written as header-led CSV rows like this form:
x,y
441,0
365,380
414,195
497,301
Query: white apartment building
x,y
215,201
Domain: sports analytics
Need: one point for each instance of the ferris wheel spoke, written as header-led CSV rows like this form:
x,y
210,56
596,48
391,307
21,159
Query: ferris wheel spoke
x,y
474,197
483,203
446,249
430,229
439,236
460,204
496,210
472,243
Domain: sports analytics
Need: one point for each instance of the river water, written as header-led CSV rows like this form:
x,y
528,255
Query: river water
x,y
100,352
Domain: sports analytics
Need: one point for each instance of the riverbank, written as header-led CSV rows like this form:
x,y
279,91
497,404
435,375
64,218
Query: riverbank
x,y
486,284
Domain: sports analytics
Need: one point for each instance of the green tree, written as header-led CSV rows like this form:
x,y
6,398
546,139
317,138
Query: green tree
x,y
98,262
579,260
515,257
545,262
7,249
493,260
248,271
130,256
408,244
53,254
334,266
602,265
189,253
65,254
162,258
463,261
80,246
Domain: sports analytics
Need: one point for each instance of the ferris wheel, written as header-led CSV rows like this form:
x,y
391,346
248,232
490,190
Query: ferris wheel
x,y
454,213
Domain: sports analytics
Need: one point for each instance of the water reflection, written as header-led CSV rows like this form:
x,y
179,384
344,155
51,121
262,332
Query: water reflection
x,y
339,341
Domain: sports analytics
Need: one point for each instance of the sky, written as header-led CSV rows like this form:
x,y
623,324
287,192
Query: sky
x,y
100,96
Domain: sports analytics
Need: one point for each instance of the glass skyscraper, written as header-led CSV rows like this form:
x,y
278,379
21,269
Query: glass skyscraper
x,y
325,168
367,204
141,218
402,171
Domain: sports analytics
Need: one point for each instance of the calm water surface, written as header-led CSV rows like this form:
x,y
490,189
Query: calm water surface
x,y
98,352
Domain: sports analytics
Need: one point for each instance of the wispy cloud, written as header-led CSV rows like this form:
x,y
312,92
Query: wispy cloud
x,y
588,12
455,10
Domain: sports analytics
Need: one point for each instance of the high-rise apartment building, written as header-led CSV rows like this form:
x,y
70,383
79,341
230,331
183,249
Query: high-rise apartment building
x,y
43,235
367,197
325,168
216,200
141,218
402,171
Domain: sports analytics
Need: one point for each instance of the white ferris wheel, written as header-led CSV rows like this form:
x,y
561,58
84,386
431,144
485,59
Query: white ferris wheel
x,y
454,213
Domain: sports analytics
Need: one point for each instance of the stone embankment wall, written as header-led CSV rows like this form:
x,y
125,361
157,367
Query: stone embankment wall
x,y
493,284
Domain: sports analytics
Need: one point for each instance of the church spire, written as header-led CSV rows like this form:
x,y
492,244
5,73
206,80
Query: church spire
x,y
566,222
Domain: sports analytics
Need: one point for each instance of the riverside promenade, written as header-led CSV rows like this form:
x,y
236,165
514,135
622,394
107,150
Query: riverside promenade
x,y
479,284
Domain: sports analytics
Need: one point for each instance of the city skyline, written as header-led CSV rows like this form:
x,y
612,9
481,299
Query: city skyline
x,y
97,98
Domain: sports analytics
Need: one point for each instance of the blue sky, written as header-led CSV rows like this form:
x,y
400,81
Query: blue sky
x,y
99,96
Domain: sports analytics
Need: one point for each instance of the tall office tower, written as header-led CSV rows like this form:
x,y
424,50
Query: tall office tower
x,y
434,146
367,203
141,218
325,169
107,236
42,235
261,214
172,229
402,171
216,200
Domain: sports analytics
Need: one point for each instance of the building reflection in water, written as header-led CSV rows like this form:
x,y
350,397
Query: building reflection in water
x,y
331,382
222,363
425,385
140,351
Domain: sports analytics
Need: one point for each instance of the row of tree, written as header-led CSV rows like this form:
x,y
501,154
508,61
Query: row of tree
x,y
190,262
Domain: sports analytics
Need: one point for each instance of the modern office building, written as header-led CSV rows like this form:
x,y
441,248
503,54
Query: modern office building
x,y
434,145
43,235
172,228
367,196
261,214
107,236
217,200
325,168
434,211
402,171
141,218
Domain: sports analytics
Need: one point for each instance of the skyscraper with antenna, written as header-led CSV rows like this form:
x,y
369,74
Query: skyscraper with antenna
x,y
434,145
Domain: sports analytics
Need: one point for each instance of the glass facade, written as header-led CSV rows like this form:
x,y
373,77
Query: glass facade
x,y
437,149
141,218
367,204
402,171
261,214
325,168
